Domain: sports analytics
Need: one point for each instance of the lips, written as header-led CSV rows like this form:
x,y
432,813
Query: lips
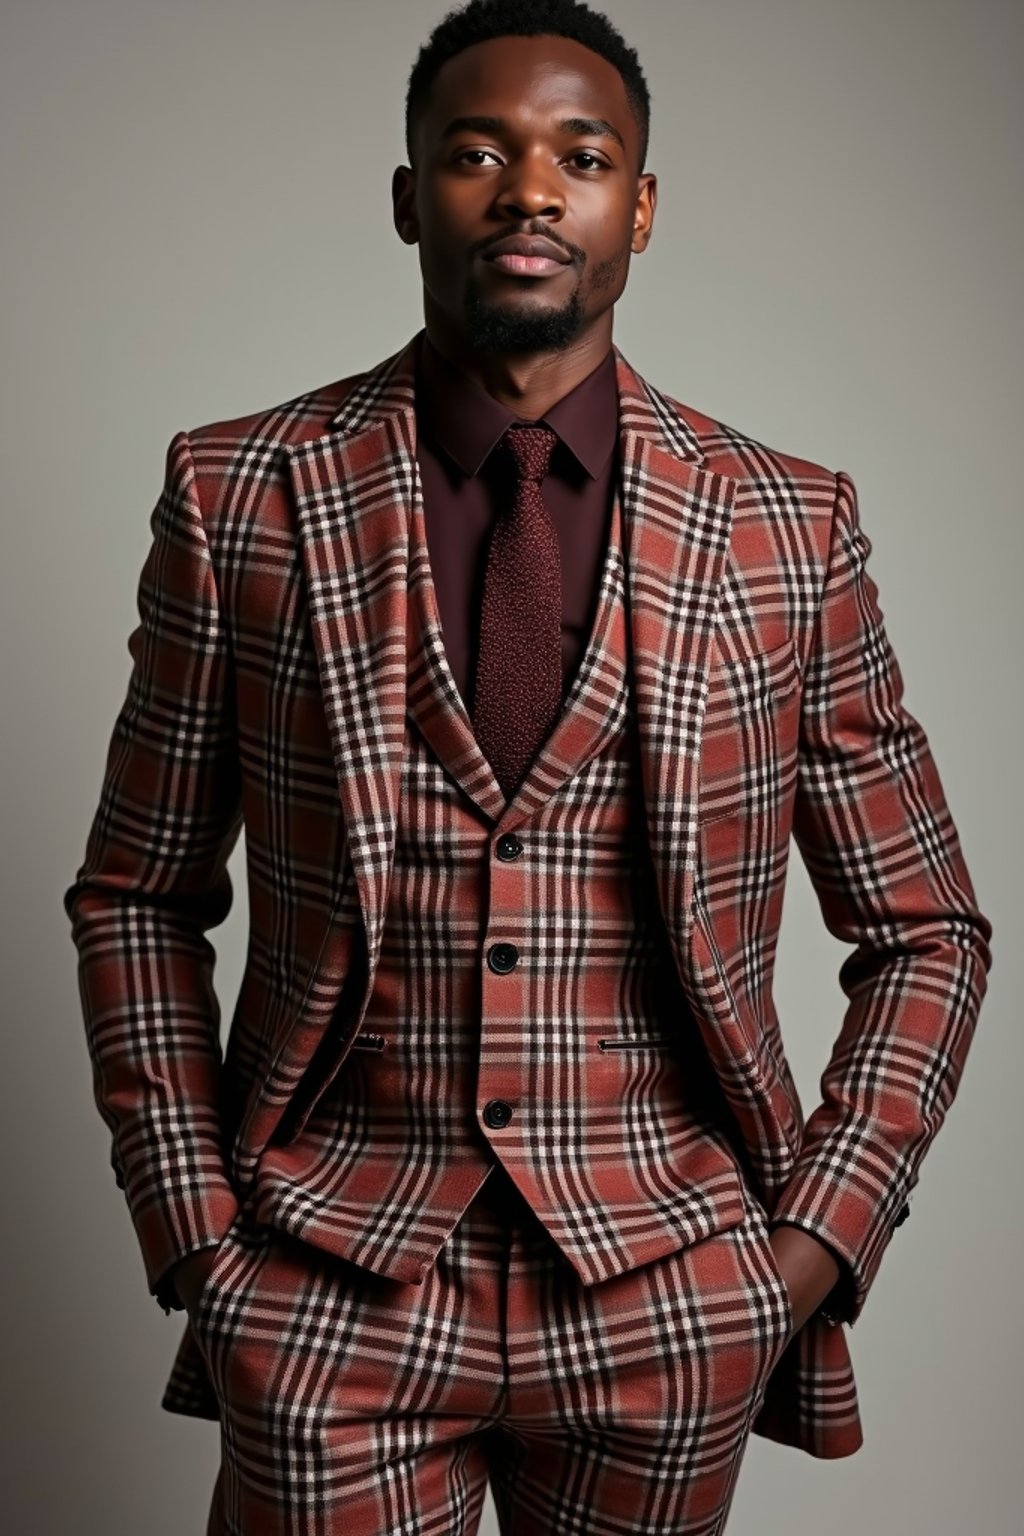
x,y
527,245
527,256
526,266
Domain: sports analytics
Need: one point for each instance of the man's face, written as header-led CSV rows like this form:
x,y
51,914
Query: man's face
x,y
525,136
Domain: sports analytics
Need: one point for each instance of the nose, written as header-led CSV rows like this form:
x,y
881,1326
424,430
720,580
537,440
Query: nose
x,y
529,190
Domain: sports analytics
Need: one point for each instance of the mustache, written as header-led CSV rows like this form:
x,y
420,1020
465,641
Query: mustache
x,y
540,232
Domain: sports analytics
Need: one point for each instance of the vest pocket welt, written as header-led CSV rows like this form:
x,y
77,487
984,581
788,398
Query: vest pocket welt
x,y
634,1042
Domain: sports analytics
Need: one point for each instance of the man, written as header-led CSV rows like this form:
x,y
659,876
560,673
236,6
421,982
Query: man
x,y
520,675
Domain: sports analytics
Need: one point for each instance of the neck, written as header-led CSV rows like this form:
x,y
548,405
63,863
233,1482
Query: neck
x,y
527,383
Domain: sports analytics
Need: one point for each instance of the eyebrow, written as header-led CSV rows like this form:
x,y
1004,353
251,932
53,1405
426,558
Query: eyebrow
x,y
598,127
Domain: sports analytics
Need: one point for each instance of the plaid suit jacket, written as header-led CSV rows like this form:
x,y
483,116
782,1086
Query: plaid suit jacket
x,y
268,688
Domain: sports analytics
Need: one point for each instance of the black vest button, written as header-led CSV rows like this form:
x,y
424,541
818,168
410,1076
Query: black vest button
x,y
508,846
497,1113
502,958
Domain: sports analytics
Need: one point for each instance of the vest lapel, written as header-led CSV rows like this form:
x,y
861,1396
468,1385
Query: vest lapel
x,y
591,710
596,701
434,702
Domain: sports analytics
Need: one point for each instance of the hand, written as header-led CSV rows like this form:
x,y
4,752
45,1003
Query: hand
x,y
189,1276
808,1268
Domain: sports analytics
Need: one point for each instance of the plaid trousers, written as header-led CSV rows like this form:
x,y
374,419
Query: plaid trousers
x,y
355,1403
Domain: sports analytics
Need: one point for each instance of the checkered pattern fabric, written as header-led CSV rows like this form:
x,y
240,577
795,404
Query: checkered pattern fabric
x,y
354,1405
270,683
608,1120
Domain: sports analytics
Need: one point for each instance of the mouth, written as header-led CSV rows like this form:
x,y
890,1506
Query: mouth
x,y
526,255
517,265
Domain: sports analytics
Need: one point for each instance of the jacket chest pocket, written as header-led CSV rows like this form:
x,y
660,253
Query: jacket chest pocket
x,y
750,738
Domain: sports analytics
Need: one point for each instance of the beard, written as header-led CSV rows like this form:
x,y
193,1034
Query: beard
x,y
508,327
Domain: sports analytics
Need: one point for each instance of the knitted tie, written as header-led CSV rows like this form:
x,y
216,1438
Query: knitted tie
x,y
518,689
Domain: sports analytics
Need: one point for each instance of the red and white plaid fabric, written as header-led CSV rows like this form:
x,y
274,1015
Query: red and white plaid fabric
x,y
356,1405
270,683
612,1130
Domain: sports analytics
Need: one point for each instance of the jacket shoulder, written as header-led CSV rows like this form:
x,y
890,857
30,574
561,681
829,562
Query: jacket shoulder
x,y
783,501
729,450
291,421
240,462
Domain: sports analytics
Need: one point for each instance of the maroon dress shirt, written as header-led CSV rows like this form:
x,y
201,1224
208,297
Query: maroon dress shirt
x,y
465,489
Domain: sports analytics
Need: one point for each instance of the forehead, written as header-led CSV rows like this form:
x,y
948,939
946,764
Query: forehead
x,y
529,81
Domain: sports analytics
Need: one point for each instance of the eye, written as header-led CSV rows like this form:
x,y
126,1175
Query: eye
x,y
463,152
586,154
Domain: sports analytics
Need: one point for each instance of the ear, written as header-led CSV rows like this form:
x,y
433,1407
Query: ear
x,y
643,214
403,203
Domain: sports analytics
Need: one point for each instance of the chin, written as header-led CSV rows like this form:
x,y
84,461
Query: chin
x,y
520,324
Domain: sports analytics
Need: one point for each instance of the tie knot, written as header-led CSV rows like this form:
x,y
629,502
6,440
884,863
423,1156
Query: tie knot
x,y
531,447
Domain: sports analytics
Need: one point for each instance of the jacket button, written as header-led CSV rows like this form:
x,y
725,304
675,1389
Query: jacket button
x,y
497,1113
502,958
901,1218
508,846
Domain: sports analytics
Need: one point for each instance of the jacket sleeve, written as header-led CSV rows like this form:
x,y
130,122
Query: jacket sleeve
x,y
152,882
879,844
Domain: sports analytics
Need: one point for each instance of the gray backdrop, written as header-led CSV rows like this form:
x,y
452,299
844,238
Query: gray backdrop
x,y
196,223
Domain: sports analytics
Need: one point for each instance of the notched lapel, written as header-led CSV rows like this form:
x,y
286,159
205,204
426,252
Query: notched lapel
x,y
677,520
353,488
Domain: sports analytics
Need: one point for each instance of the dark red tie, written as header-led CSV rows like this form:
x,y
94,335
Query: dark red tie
x,y
518,690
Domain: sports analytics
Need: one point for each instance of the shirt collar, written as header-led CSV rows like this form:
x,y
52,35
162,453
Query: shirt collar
x,y
467,422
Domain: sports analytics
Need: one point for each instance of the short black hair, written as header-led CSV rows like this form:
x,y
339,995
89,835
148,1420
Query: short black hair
x,y
481,20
